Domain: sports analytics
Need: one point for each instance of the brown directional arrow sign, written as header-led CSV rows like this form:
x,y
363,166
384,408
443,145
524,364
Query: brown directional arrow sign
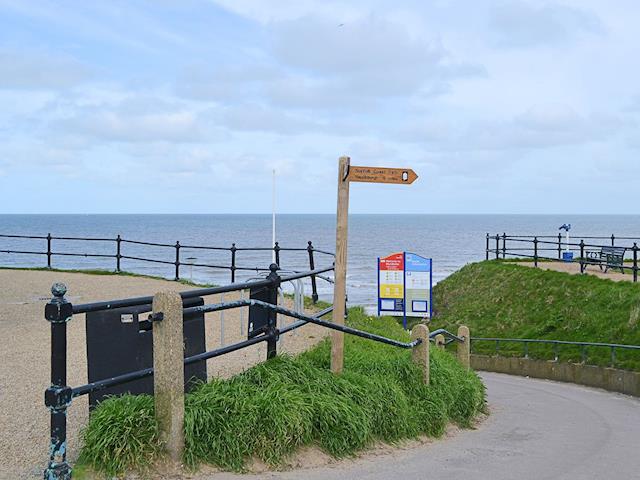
x,y
381,175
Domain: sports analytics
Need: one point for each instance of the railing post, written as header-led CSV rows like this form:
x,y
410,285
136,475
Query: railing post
x,y
118,256
276,249
439,341
464,347
420,353
58,396
535,251
48,250
613,240
486,250
177,262
168,371
233,262
635,261
497,246
504,245
560,246
312,266
582,259
272,330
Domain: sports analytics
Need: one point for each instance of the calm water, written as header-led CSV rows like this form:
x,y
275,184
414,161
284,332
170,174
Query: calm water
x,y
451,240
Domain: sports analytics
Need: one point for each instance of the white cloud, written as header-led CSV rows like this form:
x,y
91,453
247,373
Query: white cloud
x,y
39,70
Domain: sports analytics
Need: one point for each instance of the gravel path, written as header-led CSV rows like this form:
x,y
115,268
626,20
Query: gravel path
x,y
25,355
574,269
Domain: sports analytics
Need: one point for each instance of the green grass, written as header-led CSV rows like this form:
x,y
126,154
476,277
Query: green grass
x,y
499,299
276,407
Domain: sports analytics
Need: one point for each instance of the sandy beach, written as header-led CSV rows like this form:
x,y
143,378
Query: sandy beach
x,y
25,355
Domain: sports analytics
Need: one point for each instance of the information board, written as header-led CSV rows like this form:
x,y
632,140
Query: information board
x,y
404,285
391,284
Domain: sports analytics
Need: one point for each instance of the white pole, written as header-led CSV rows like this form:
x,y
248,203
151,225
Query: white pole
x,y
273,215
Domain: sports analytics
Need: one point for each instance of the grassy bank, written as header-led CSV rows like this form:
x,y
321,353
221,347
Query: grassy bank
x,y
275,407
497,299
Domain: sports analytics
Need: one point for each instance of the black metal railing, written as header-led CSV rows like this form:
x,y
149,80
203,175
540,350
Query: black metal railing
x,y
172,254
59,312
537,248
556,345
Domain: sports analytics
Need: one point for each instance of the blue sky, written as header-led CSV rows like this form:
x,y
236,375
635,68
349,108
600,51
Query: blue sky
x,y
171,107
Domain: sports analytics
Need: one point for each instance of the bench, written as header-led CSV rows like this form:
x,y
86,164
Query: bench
x,y
610,257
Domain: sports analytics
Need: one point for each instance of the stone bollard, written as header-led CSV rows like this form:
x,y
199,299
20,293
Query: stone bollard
x,y
464,348
420,354
168,371
439,341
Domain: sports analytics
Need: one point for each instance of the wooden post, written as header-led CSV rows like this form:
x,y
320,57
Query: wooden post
x,y
420,354
168,372
339,287
439,341
464,347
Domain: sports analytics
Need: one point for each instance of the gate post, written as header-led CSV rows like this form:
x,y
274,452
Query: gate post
x,y
118,253
439,341
48,250
420,353
168,371
233,262
464,350
486,249
272,330
58,396
312,266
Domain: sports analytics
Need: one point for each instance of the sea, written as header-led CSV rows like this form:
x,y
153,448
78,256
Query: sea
x,y
452,241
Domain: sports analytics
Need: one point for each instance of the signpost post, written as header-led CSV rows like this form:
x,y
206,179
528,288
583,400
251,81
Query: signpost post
x,y
347,174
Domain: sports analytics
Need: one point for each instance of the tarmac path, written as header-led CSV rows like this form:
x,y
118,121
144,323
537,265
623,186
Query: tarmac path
x,y
537,429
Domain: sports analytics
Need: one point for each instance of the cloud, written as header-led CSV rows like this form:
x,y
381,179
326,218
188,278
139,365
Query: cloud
x,y
39,70
541,126
522,24
134,119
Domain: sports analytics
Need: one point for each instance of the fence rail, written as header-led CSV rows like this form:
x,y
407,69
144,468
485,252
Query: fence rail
x,y
174,258
501,246
557,344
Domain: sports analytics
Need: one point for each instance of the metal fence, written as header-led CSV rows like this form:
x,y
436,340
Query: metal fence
x,y
541,248
170,254
59,311
556,345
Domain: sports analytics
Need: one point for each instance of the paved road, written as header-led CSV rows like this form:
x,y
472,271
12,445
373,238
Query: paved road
x,y
537,430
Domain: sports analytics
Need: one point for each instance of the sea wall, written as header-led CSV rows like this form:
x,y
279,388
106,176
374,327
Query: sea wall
x,y
612,379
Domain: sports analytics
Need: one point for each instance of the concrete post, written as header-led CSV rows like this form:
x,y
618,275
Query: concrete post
x,y
168,372
439,341
464,348
420,354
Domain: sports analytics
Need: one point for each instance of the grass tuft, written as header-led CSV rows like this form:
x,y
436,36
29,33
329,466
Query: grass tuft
x,y
275,407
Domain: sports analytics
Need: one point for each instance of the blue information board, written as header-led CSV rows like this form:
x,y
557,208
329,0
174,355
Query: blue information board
x,y
405,285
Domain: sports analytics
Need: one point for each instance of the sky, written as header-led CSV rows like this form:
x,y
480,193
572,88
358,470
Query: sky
x,y
187,107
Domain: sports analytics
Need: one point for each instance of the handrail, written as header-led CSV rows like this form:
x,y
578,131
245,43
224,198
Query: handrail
x,y
556,344
560,342
449,337
201,292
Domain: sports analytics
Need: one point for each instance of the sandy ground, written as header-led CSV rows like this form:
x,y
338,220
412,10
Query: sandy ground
x,y
574,269
25,355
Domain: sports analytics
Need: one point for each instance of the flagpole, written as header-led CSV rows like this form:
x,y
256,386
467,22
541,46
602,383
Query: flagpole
x,y
273,215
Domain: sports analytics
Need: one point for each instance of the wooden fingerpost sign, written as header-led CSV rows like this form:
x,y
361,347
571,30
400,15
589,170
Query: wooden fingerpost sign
x,y
347,174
